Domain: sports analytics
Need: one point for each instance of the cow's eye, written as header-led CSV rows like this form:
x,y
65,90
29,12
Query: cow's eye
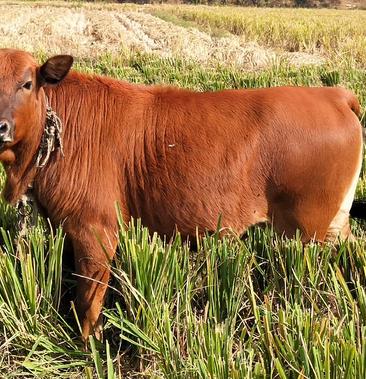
x,y
27,85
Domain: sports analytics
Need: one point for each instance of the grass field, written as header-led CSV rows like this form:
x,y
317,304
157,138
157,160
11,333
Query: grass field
x,y
265,307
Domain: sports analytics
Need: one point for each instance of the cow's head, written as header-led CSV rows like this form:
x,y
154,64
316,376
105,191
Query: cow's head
x,y
22,99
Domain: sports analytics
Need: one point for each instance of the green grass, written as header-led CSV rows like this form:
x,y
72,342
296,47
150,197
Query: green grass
x,y
266,307
263,307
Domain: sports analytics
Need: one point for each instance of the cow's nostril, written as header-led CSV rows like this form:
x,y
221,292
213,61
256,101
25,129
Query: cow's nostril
x,y
4,127
6,131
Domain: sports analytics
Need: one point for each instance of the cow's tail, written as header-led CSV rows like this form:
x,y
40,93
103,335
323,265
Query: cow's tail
x,y
353,103
355,106
358,209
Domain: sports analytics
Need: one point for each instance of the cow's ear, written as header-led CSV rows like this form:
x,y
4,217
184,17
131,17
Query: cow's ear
x,y
55,69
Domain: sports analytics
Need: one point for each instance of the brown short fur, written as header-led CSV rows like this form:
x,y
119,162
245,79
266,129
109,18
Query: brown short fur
x,y
177,159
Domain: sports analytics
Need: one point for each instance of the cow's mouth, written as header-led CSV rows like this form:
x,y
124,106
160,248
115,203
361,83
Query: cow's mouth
x,y
3,144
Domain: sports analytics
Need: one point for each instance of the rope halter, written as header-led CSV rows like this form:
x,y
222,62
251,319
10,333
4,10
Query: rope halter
x,y
51,138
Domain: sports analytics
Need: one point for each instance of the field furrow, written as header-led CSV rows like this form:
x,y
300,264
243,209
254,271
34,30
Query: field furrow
x,y
92,33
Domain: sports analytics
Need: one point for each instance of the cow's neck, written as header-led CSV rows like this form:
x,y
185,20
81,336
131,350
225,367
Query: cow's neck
x,y
89,108
78,101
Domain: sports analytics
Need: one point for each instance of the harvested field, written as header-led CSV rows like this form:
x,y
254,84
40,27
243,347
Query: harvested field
x,y
91,32
334,34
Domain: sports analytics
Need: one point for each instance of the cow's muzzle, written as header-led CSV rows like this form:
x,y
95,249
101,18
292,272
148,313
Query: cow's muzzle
x,y
6,132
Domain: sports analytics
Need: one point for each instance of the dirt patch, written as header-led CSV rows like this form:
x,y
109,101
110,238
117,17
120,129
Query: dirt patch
x,y
87,32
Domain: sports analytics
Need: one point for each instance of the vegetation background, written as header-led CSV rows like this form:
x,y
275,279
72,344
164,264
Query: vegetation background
x,y
347,4
262,307
341,4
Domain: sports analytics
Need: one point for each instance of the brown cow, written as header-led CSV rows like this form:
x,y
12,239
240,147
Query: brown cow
x,y
175,158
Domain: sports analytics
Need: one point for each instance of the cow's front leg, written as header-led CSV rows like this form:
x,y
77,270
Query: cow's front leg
x,y
93,251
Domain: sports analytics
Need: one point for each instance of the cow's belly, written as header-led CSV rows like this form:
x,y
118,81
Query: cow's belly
x,y
198,212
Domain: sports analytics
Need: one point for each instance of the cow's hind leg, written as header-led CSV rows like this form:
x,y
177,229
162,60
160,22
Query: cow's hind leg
x,y
339,226
321,218
317,217
308,217
319,221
